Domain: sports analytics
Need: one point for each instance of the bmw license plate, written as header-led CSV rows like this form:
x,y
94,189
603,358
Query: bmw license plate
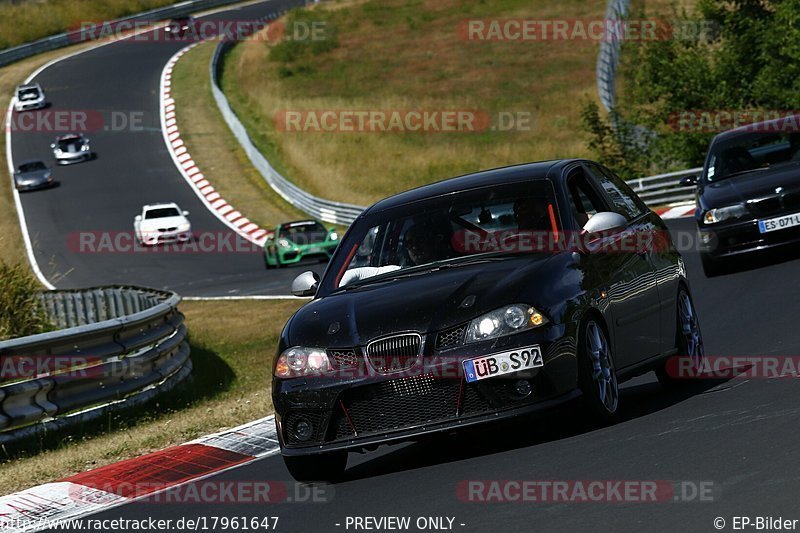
x,y
777,223
501,363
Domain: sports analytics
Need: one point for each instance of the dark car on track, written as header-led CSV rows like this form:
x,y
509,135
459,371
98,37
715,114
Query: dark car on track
x,y
479,298
748,195
32,175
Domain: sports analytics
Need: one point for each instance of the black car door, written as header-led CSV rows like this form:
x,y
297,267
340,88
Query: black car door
x,y
633,289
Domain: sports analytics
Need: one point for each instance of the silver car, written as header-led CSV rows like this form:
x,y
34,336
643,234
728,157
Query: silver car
x,y
72,148
32,175
29,96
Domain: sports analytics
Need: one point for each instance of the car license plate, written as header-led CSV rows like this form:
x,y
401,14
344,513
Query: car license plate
x,y
777,223
501,363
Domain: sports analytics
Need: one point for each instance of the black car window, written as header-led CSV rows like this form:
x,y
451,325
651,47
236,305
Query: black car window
x,y
624,201
584,200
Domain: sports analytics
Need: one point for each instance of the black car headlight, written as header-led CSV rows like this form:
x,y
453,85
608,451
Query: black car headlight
x,y
300,361
720,214
504,321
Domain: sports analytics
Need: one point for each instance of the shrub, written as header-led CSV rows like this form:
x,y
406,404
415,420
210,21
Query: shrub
x,y
21,312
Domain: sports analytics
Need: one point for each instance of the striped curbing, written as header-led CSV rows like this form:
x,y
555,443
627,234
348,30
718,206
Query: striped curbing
x,y
45,506
188,167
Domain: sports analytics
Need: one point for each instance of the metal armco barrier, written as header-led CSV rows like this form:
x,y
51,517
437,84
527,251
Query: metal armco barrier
x,y
320,208
54,42
118,346
665,189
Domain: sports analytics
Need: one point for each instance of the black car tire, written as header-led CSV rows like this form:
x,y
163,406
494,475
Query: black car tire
x,y
597,375
711,267
689,343
326,467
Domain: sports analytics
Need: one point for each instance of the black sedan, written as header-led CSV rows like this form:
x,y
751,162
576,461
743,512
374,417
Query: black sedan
x,y
478,298
748,196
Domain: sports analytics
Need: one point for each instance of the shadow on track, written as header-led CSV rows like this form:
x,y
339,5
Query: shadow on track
x,y
566,421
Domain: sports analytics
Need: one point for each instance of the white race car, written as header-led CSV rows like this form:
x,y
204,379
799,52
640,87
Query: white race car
x,y
160,223
30,96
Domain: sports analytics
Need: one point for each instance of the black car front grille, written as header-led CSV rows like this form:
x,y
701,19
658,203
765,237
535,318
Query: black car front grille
x,y
395,353
776,205
404,403
451,338
342,359
164,230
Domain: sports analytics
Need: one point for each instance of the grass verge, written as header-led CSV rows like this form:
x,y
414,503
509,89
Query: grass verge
x,y
22,22
233,344
409,55
214,148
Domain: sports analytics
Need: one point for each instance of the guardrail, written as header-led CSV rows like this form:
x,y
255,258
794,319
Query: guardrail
x,y
665,189
9,55
118,346
608,58
320,208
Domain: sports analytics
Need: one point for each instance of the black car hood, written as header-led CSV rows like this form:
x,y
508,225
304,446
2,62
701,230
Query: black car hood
x,y
753,185
423,302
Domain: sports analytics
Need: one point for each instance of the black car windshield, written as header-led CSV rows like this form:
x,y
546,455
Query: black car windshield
x,y
161,212
443,231
32,167
305,232
751,152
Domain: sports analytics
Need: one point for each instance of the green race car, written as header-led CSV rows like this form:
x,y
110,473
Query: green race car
x,y
292,242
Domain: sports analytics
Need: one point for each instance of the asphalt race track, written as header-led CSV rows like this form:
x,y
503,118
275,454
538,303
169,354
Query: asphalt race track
x,y
120,82
739,435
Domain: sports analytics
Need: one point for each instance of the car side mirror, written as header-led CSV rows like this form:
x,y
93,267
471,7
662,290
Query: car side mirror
x,y
605,222
186,213
305,284
689,181
138,218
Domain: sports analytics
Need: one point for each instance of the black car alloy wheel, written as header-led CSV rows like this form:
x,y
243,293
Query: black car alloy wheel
x,y
689,342
598,377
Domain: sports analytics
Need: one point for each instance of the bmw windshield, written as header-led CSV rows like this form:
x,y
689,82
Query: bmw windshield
x,y
752,152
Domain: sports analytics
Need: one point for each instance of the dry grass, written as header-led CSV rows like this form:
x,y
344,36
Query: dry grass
x,y
27,21
233,344
215,149
401,54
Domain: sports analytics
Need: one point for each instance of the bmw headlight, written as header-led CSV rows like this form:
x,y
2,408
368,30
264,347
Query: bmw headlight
x,y
285,243
300,361
504,321
334,236
720,214
84,148
186,226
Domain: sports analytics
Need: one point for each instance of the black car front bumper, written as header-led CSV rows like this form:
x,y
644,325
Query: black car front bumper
x,y
360,411
740,237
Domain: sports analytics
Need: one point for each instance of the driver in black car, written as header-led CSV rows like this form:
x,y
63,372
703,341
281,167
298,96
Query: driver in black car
x,y
531,214
428,241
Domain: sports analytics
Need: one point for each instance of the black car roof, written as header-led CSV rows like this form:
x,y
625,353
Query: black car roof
x,y
775,125
496,176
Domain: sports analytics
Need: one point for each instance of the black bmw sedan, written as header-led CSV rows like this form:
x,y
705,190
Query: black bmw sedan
x,y
748,196
482,297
